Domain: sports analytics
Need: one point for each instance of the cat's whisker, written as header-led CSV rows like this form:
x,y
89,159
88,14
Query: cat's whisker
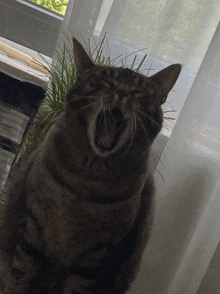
x,y
77,99
100,121
103,116
135,126
153,153
143,127
159,174
109,110
146,115
133,130
84,107
108,113
102,102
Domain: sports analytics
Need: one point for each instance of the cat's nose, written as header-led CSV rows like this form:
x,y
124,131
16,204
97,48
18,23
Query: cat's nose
x,y
111,101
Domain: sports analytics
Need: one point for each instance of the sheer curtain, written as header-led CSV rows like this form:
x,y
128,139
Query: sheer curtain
x,y
187,219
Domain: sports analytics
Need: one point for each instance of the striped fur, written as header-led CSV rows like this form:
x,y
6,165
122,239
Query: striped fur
x,y
80,212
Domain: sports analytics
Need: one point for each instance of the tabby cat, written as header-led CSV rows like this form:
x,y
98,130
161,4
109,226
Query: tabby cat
x,y
79,214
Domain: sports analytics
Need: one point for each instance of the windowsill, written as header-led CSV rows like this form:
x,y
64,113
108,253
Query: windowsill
x,y
11,64
27,51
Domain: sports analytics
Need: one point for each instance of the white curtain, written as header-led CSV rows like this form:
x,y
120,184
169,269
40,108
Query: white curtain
x,y
187,219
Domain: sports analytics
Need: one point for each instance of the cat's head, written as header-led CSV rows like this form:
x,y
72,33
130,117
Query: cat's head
x,y
118,107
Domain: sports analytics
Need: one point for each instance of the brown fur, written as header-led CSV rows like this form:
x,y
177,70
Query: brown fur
x,y
79,214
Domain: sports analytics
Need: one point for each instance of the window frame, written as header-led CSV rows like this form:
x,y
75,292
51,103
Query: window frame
x,y
30,25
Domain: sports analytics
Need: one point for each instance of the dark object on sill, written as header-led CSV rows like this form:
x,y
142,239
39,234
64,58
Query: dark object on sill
x,y
19,103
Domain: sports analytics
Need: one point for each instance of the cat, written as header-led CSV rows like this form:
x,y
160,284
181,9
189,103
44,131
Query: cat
x,y
80,211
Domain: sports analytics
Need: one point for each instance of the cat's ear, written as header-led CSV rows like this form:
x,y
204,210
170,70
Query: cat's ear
x,y
166,79
81,58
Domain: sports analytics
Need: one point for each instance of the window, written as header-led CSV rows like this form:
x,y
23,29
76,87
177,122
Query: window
x,y
58,6
30,25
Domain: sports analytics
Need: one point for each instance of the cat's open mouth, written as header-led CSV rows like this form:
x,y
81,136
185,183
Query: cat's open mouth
x,y
110,126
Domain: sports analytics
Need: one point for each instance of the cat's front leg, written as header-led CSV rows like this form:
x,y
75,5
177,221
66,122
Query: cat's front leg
x,y
19,272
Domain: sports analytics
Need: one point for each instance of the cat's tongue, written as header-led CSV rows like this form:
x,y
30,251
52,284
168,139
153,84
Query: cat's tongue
x,y
109,129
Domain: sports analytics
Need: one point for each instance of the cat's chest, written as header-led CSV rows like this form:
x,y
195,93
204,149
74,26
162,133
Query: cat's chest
x,y
74,225
77,214
76,211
